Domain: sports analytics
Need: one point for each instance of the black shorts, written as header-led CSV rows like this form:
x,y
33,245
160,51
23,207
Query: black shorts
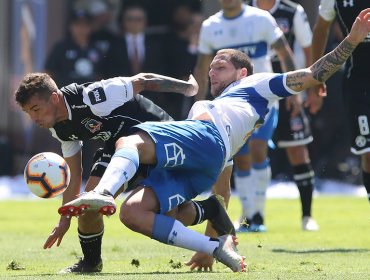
x,y
357,96
103,156
291,132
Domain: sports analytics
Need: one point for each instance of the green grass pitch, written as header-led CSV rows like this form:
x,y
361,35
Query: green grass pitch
x,y
340,250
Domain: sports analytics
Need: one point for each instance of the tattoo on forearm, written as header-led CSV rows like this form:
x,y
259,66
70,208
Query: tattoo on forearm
x,y
325,67
295,80
165,84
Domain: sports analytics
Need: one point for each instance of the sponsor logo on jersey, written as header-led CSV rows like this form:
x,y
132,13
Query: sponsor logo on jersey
x,y
103,135
119,129
106,155
97,95
78,106
92,125
254,50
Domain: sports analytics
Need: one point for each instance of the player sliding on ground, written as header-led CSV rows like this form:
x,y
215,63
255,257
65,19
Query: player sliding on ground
x,y
187,156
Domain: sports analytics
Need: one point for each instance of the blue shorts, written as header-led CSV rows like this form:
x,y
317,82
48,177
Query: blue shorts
x,y
264,132
190,156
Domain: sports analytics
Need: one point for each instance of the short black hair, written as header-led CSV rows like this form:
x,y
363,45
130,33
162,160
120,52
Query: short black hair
x,y
40,84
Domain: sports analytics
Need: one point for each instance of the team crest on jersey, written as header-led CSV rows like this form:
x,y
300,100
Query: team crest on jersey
x,y
283,24
233,32
92,125
97,95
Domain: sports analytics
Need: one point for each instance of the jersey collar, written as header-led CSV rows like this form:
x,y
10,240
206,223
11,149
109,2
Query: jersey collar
x,y
241,13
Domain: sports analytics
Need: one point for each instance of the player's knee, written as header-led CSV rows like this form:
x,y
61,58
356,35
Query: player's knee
x,y
129,216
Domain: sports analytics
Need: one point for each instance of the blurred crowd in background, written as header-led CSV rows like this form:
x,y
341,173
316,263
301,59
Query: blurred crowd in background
x,y
100,36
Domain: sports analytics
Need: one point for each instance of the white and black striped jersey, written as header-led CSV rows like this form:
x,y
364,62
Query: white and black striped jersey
x,y
292,20
346,12
104,110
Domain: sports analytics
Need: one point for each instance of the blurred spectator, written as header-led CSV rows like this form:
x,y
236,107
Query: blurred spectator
x,y
161,12
181,54
75,58
102,34
139,52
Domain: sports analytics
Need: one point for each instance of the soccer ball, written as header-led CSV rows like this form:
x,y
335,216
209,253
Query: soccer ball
x,y
47,175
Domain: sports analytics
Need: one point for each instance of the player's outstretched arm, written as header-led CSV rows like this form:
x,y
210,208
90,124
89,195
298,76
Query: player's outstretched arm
x,y
160,83
325,67
57,234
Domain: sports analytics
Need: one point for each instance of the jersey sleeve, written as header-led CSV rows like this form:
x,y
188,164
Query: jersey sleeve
x,y
326,9
106,95
271,86
69,148
204,45
302,29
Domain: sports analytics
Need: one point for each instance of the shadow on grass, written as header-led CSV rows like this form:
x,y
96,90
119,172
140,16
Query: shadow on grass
x,y
320,251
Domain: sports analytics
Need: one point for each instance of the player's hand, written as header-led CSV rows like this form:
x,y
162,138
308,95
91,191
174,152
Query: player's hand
x,y
194,87
293,104
58,232
360,28
315,99
201,261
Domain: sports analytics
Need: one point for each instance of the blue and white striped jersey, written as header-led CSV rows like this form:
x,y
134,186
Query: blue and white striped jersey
x,y
242,108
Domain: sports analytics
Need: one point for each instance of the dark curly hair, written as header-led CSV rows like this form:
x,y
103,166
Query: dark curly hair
x,y
40,84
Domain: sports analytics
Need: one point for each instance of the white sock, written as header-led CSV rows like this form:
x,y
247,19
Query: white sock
x,y
120,170
181,236
245,188
262,179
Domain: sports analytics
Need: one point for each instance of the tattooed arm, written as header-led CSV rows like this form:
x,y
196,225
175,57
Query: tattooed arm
x,y
160,83
325,67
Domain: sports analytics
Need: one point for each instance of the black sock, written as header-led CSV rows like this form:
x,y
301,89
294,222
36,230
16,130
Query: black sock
x,y
304,177
366,182
205,210
91,246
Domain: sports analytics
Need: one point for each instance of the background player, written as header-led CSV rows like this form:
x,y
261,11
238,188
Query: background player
x,y
254,32
356,86
293,132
